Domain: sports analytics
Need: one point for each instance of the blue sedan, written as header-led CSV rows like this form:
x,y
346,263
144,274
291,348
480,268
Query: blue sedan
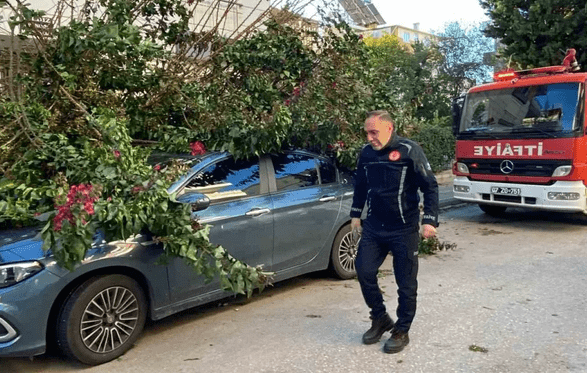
x,y
287,212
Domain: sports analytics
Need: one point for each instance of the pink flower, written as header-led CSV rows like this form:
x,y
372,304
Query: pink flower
x,y
287,102
36,214
157,167
334,85
80,196
361,37
198,148
89,207
116,153
57,224
296,91
137,189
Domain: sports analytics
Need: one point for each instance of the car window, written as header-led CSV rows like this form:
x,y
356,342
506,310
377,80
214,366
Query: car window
x,y
327,172
294,171
227,179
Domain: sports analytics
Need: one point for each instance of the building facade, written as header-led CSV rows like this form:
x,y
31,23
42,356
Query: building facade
x,y
405,34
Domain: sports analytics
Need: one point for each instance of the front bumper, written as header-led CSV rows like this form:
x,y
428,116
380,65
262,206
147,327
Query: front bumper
x,y
24,311
531,196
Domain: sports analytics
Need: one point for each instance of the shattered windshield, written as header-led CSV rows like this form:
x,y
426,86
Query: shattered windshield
x,y
528,112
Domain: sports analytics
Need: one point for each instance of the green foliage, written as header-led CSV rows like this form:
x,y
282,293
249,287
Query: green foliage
x,y
476,348
429,246
104,83
406,80
438,143
71,161
537,33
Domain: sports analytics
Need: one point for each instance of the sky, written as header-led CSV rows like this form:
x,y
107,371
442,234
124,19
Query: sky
x,y
431,14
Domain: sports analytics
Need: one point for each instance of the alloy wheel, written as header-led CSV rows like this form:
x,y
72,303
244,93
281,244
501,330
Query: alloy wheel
x,y
109,319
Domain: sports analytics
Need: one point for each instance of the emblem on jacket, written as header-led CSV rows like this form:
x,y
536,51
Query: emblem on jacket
x,y
394,155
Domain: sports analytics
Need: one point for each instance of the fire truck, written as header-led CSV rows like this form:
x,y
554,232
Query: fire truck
x,y
521,141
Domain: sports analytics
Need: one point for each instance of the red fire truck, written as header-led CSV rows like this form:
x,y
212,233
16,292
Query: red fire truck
x,y
522,141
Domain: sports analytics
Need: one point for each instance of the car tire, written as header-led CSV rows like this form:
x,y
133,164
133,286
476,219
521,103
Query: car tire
x,y
112,309
492,209
343,254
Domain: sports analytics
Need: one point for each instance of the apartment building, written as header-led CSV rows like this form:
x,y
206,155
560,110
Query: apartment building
x,y
405,34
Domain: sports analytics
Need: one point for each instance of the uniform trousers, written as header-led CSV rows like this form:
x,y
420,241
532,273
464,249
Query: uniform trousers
x,y
376,243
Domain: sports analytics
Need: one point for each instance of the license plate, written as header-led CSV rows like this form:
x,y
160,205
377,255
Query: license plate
x,y
506,190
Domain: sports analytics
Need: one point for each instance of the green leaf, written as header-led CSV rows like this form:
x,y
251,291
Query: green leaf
x,y
109,173
234,132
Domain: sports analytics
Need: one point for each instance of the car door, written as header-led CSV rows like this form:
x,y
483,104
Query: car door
x,y
306,203
240,214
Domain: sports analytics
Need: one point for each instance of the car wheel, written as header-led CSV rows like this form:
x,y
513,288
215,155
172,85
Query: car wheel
x,y
344,253
101,319
492,210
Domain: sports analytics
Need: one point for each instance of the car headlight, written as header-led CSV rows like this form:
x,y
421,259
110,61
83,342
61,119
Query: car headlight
x,y
14,273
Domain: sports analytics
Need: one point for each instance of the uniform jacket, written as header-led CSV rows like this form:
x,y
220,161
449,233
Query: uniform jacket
x,y
389,179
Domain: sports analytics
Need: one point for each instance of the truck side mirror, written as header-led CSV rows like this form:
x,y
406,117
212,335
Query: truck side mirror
x,y
457,108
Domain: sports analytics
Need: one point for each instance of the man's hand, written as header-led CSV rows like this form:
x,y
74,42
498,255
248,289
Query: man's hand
x,y
356,227
428,231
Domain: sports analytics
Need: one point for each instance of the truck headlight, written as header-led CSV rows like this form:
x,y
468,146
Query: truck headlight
x,y
562,171
14,273
462,168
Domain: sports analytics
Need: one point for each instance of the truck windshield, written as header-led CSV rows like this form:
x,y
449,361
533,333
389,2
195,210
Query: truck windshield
x,y
553,110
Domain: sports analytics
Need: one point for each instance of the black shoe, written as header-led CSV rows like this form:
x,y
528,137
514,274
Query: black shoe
x,y
397,342
378,327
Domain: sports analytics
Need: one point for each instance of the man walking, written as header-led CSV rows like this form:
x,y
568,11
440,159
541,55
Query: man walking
x,y
389,173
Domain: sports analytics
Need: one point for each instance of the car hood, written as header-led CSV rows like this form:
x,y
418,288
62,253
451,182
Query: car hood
x,y
21,244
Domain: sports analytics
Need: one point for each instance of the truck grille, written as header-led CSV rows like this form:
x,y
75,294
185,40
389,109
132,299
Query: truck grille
x,y
539,168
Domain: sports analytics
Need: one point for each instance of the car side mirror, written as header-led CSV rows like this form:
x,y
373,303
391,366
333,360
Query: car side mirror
x,y
198,201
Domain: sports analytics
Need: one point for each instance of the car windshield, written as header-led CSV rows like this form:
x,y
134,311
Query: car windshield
x,y
525,112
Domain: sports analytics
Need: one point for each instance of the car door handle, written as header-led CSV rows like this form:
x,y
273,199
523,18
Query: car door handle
x,y
327,199
257,212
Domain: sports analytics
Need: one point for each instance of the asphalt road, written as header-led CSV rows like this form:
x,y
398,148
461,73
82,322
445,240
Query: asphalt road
x,y
510,297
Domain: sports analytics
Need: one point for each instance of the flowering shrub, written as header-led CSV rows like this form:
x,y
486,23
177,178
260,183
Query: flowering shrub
x,y
198,148
78,205
69,143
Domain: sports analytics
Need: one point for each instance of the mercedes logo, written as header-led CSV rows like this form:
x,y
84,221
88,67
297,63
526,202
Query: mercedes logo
x,y
506,166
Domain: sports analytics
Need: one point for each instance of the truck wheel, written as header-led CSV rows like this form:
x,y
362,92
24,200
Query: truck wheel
x,y
101,319
344,253
492,209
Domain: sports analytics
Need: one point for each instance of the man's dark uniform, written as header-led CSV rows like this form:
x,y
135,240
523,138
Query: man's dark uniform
x,y
388,180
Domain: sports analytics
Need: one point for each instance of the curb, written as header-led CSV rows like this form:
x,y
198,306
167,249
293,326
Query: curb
x,y
451,203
